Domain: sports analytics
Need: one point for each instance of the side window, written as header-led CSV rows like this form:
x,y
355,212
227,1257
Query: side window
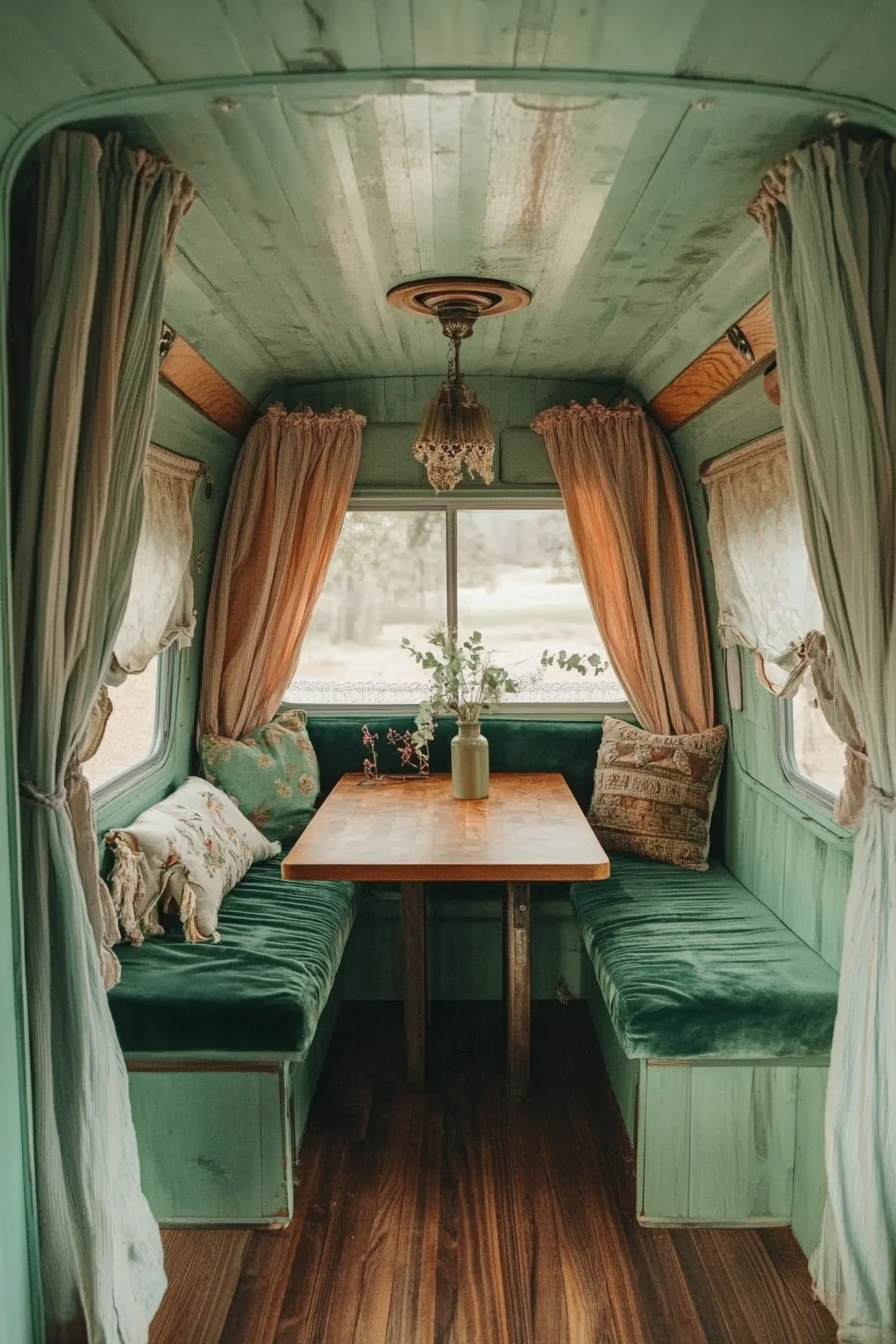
x,y
138,729
811,753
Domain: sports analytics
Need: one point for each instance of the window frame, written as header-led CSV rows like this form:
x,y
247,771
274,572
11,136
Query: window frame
x,y
117,786
384,502
799,782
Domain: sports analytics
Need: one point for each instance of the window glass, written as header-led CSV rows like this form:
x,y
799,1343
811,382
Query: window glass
x,y
131,730
817,751
518,583
387,579
393,574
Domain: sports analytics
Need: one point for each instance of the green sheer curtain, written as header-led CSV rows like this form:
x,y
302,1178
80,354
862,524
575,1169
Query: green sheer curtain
x,y
830,211
102,223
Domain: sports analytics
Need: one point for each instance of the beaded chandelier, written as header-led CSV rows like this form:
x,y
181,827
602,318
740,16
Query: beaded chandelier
x,y
455,431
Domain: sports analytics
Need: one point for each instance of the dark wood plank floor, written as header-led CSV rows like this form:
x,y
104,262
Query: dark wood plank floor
x,y
456,1216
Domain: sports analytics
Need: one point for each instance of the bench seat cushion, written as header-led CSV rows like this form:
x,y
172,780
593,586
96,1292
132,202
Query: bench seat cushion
x,y
692,965
262,988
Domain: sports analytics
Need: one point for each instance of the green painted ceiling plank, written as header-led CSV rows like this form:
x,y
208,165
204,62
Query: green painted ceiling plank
x,y
415,115
786,42
332,245
87,45
181,429
396,33
201,322
854,63
651,137
645,233
465,32
533,33
596,142
476,139
33,74
365,284
323,34
251,37
199,303
174,39
260,196
445,133
691,216
731,291
644,35
232,281
397,184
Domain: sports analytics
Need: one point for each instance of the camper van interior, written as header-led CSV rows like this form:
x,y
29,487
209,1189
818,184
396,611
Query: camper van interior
x,y
448,672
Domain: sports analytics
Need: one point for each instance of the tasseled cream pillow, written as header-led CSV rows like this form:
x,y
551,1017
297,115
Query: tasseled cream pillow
x,y
185,854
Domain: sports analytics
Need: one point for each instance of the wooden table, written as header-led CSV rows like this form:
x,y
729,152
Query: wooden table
x,y
529,829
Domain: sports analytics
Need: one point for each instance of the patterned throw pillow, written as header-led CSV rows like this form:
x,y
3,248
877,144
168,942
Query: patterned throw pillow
x,y
185,853
654,795
271,775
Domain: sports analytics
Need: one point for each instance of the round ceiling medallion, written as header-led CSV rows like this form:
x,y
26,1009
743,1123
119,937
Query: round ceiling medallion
x,y
481,298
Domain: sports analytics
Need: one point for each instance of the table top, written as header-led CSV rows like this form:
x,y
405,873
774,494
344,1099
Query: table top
x,y
529,828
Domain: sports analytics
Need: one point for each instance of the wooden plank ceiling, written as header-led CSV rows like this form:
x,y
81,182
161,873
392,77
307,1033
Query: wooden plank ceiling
x,y
615,212
624,212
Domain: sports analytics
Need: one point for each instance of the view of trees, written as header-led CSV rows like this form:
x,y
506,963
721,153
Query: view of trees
x,y
517,582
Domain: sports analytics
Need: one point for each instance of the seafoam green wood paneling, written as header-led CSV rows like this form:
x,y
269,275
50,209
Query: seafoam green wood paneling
x,y
716,1143
624,1073
393,407
215,1144
782,844
219,1139
809,1187
465,949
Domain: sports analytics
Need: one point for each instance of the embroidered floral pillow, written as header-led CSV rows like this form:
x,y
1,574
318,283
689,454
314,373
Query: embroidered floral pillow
x,y
271,775
654,794
184,854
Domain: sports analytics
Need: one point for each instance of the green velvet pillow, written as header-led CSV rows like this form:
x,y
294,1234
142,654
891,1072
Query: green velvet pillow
x,y
272,774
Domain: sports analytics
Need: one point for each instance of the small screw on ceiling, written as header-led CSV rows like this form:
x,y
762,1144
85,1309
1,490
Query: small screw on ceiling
x,y
703,104
227,104
838,118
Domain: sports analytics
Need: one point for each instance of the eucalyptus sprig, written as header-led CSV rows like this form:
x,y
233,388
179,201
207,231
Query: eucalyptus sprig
x,y
465,681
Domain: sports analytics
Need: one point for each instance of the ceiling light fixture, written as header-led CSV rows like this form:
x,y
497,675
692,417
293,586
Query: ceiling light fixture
x,y
455,431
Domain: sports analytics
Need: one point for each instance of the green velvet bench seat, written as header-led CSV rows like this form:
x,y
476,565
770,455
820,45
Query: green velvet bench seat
x,y
224,1043
714,1020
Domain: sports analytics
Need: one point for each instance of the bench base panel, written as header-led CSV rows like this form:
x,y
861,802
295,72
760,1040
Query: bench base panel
x,y
720,1143
218,1139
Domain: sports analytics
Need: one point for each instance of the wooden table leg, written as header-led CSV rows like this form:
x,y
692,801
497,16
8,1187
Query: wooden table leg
x,y
518,987
413,921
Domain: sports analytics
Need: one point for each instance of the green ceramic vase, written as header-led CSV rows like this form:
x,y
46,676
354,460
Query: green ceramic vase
x,y
469,762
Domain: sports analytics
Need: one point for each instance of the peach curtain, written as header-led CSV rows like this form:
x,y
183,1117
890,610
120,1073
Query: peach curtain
x,y
632,533
293,481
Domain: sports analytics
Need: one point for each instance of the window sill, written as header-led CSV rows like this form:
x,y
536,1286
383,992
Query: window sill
x,y
561,712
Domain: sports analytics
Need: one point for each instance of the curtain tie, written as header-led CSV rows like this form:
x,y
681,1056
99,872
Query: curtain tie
x,y
30,793
880,799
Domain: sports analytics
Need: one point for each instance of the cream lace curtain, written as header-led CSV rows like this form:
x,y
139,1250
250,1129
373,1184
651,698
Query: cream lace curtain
x,y
830,212
633,538
768,601
160,607
101,226
293,481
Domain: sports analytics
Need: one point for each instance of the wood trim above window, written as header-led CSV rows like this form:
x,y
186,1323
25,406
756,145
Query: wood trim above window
x,y
190,375
747,348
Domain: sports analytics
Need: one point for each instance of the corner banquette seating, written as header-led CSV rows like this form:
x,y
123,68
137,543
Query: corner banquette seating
x,y
708,1009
